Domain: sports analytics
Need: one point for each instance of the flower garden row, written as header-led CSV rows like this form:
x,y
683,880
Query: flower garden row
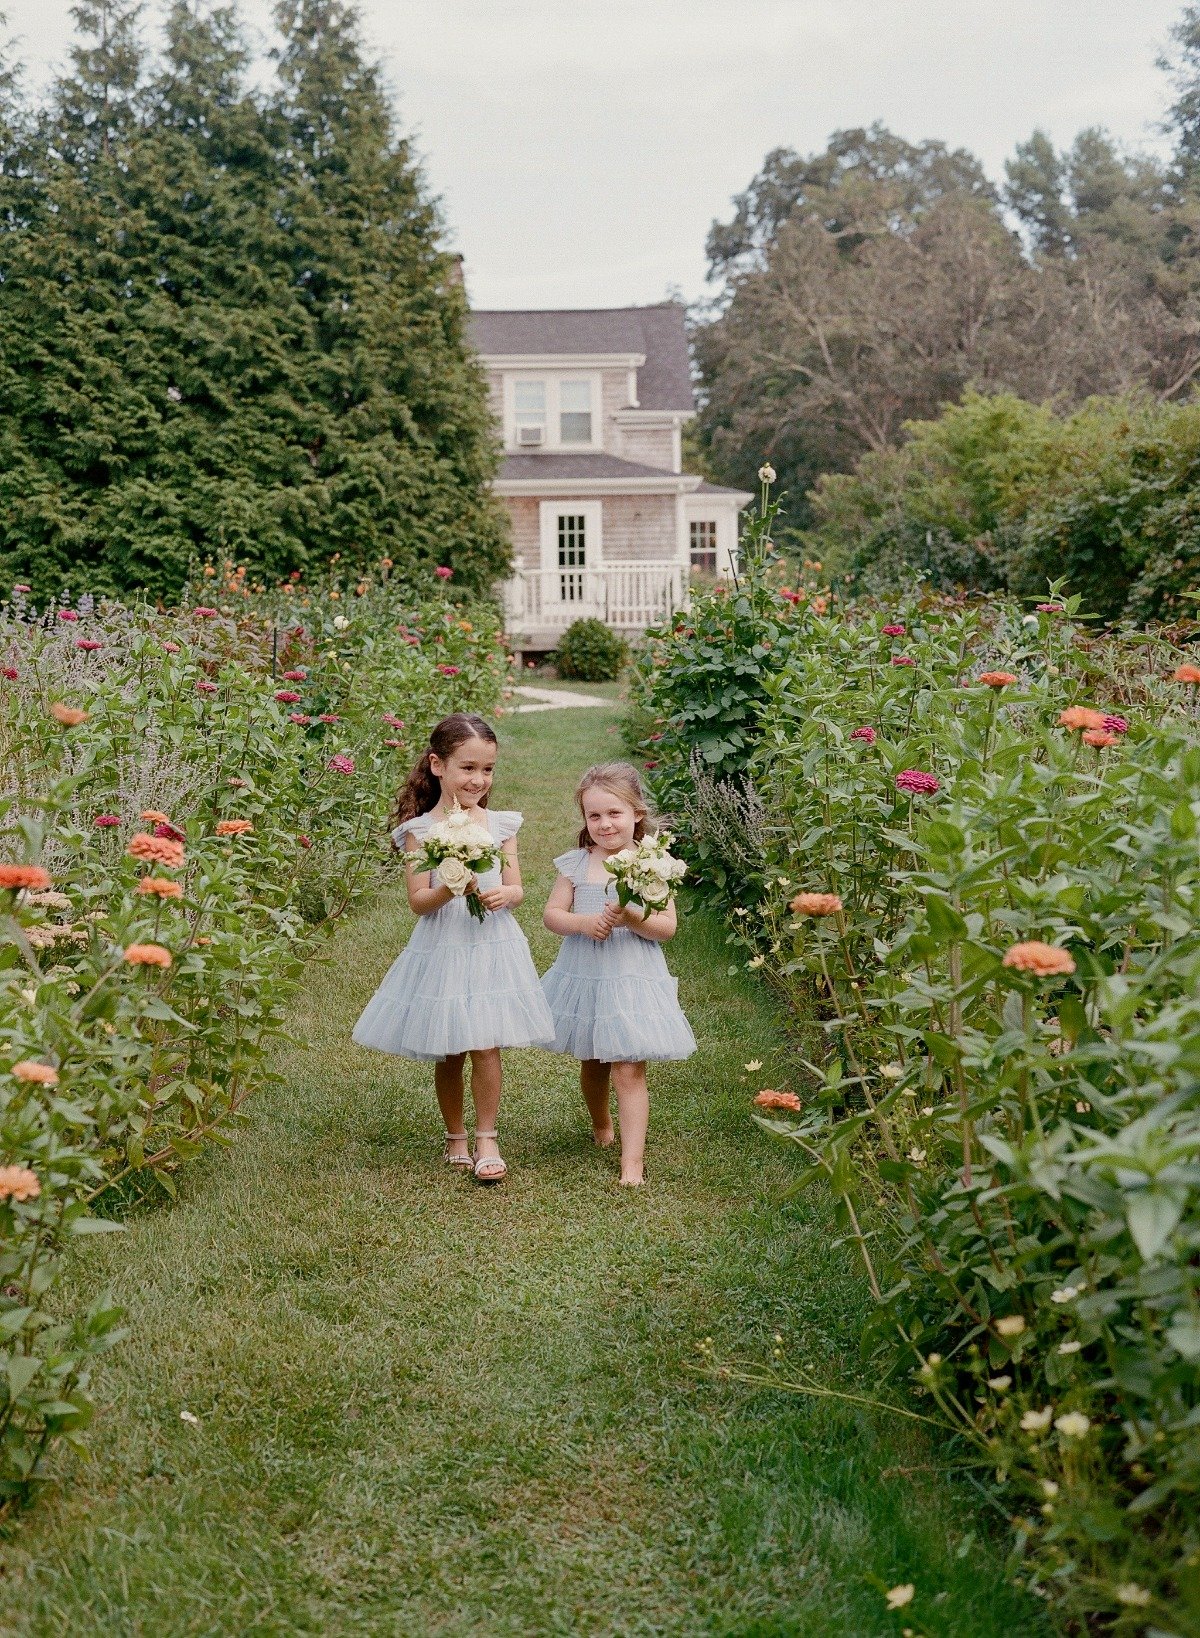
x,y
189,801
969,838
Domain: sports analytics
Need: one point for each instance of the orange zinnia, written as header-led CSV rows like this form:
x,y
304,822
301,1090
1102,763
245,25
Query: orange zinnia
x,y
153,816
768,1098
1045,960
233,827
816,904
161,886
148,955
1099,737
1081,716
18,1183
1186,673
156,849
998,679
35,1073
16,876
69,715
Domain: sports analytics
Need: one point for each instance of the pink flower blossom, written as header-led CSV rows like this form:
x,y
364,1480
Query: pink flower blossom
x,y
11,672
169,832
204,613
22,589
171,648
287,696
341,764
329,716
295,676
448,670
304,841
443,573
864,733
394,743
67,614
89,645
1049,608
413,642
916,782
1116,725
392,721
206,687
893,631
902,659
299,719
105,821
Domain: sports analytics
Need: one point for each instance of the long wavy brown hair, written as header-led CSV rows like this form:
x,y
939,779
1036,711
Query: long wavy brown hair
x,y
623,780
423,790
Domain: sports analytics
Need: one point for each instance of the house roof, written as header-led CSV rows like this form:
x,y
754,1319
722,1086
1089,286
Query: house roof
x,y
664,380
707,488
582,468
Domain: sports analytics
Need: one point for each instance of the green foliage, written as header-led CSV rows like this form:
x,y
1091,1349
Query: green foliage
x,y
1011,1153
226,322
277,785
589,652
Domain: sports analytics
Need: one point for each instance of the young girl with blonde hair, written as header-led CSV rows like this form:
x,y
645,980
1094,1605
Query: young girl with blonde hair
x,y
615,1005
461,988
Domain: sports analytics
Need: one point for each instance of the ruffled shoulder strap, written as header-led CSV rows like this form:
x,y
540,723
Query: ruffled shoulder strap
x,y
505,823
412,827
572,864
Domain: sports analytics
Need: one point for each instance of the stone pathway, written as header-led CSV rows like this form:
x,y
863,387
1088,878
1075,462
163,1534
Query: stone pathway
x,y
551,699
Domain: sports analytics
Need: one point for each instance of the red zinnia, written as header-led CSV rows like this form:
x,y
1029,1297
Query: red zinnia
x,y
286,696
11,672
204,613
67,614
295,676
864,733
1115,725
448,670
893,631
917,782
105,821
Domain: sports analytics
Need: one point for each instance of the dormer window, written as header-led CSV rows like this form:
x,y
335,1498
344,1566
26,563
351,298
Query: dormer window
x,y
575,412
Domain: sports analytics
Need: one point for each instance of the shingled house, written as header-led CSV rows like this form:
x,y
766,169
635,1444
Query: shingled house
x,y
605,522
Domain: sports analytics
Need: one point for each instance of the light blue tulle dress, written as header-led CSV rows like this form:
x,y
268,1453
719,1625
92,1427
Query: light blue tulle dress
x,y
459,985
614,1002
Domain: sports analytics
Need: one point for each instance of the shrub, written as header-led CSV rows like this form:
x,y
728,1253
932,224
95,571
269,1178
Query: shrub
x,y
184,817
590,652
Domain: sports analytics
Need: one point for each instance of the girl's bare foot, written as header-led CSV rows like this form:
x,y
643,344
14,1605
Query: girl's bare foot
x,y
632,1179
603,1136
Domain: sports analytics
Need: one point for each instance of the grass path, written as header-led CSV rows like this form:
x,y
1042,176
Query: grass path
x,y
428,1408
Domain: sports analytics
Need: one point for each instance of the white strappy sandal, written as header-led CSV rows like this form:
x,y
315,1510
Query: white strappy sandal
x,y
457,1162
481,1161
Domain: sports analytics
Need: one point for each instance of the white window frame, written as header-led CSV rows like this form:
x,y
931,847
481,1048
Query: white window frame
x,y
552,380
592,512
713,523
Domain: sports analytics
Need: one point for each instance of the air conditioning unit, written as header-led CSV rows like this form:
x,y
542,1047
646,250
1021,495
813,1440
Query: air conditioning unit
x,y
530,437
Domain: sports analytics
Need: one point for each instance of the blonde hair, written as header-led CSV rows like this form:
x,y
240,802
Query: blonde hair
x,y
623,780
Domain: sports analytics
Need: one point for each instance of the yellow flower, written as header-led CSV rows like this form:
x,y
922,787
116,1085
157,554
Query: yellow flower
x,y
898,1597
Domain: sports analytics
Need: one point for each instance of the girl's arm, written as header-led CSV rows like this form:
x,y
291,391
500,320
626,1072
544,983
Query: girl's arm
x,y
424,894
510,892
560,918
658,926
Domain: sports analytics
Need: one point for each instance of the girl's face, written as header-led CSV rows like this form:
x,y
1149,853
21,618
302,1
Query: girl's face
x,y
609,819
466,774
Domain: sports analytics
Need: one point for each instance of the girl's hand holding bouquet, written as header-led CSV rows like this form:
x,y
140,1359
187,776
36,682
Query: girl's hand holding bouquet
x,y
646,874
456,850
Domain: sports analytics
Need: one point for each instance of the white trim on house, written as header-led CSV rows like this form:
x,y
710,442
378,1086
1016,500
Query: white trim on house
x,y
723,510
562,361
572,592
670,483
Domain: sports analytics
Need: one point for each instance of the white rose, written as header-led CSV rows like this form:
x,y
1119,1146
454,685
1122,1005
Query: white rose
x,y
678,870
660,867
626,856
458,819
655,893
453,873
340,622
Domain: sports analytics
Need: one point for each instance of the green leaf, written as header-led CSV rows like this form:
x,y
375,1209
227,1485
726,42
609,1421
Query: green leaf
x,y
1153,1215
21,1370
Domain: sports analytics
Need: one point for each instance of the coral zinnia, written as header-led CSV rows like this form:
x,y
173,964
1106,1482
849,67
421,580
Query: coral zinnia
x,y
156,849
1046,960
902,659
206,687
864,733
69,715
997,679
1099,737
155,816
287,696
203,613
299,718
1186,673
171,648
768,1098
148,955
18,1183
396,722
341,764
917,782
18,876
161,886
234,827
816,904
893,631
1080,716
34,1073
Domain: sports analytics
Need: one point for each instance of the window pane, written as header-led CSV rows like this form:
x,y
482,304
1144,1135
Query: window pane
x,y
703,542
530,396
575,396
575,428
572,555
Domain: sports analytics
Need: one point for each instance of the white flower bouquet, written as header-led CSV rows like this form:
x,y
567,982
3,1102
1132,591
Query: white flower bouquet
x,y
646,873
456,850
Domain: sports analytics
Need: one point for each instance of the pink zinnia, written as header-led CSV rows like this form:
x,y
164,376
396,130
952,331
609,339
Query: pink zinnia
x,y
443,573
171,648
305,841
67,614
299,718
413,642
105,821
893,631
204,613
918,783
448,670
902,659
295,676
206,687
342,764
864,733
393,742
392,721
286,696
169,832
22,588
1115,725
1049,608
11,672
88,644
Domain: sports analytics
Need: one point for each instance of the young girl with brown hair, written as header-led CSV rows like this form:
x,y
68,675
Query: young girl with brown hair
x,y
461,987
614,1003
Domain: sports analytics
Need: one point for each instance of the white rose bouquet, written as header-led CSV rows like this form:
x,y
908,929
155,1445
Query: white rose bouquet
x,y
456,850
646,873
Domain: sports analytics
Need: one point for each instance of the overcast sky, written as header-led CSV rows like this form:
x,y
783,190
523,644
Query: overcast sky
x,y
582,148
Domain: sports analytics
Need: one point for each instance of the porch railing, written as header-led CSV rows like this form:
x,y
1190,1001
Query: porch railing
x,y
626,596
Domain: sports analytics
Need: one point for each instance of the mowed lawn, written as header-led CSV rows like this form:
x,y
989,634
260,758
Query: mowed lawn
x,y
427,1407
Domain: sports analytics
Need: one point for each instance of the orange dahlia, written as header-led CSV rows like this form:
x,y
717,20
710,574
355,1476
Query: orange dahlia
x,y
161,886
816,904
148,955
1046,960
1081,716
17,876
18,1183
34,1073
156,849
